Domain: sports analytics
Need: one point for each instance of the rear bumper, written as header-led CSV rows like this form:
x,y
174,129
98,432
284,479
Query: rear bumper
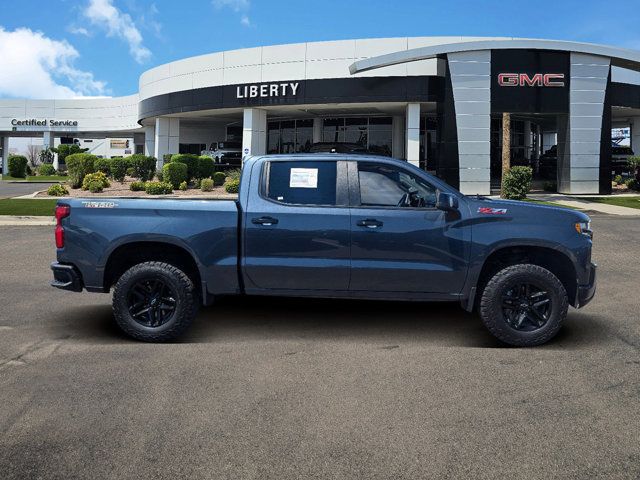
x,y
66,277
586,292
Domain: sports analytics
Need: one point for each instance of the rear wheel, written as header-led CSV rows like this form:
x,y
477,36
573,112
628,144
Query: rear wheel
x,y
524,305
154,302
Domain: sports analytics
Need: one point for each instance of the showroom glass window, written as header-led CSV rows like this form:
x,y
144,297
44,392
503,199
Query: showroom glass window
x,y
372,133
386,185
289,136
302,183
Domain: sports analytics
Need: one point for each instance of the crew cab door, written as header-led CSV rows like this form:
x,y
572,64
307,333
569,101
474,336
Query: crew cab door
x,y
296,227
399,241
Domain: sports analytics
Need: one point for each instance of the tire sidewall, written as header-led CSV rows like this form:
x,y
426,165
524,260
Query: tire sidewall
x,y
179,283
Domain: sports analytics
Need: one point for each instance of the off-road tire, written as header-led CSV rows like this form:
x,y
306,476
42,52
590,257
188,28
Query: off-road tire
x,y
491,311
186,302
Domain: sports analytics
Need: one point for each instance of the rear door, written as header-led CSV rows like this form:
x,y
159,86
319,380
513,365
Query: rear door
x,y
297,227
399,241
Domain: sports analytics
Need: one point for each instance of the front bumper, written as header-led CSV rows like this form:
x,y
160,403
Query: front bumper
x,y
66,277
586,292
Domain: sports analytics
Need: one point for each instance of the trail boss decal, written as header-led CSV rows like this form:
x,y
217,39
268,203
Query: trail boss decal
x,y
492,211
99,204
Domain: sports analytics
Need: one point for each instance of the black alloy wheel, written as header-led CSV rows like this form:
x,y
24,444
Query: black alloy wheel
x,y
526,307
151,302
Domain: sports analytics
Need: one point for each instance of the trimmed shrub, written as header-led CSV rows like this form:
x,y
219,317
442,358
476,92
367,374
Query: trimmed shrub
x,y
143,167
205,167
234,174
79,165
66,150
94,186
206,185
57,190
175,173
158,188
232,186
219,178
183,186
103,165
119,167
632,184
166,158
95,178
191,161
137,186
516,184
617,179
46,169
18,166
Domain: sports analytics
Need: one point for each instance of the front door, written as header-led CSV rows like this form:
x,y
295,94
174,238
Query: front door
x,y
400,241
297,229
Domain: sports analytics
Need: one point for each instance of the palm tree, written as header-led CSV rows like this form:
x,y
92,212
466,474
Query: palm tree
x,y
506,148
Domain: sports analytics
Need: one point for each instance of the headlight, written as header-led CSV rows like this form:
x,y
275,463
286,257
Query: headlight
x,y
584,228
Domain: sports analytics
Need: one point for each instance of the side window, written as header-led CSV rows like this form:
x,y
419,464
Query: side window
x,y
302,183
388,186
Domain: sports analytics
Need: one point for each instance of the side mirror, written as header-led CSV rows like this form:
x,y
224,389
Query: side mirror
x,y
447,202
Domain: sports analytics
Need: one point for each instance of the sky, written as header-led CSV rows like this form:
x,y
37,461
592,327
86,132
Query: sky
x,y
67,48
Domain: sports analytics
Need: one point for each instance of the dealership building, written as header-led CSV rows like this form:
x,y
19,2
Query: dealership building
x,y
436,102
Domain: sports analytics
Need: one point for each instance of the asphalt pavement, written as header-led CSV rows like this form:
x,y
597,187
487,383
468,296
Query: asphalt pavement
x,y
280,388
15,189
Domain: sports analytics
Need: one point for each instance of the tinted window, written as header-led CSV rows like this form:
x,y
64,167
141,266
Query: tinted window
x,y
302,183
387,186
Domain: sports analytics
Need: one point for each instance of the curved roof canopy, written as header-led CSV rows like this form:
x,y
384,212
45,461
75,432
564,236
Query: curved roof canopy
x,y
620,57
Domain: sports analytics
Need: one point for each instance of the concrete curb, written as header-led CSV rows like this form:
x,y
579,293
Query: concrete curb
x,y
16,220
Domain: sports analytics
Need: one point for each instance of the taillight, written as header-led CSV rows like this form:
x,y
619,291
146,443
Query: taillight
x,y
62,211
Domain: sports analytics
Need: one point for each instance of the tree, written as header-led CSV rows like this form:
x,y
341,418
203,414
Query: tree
x,y
65,150
33,154
506,149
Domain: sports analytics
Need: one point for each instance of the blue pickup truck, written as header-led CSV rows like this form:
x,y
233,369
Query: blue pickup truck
x,y
329,225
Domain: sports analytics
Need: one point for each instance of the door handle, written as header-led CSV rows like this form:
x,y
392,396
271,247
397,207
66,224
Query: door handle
x,y
370,223
267,221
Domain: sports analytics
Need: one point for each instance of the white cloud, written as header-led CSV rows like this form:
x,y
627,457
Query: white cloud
x,y
238,6
104,15
78,30
35,66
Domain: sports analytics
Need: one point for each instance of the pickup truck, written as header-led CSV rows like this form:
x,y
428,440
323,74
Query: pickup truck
x,y
335,226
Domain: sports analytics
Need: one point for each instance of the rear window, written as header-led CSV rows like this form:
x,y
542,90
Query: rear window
x,y
302,183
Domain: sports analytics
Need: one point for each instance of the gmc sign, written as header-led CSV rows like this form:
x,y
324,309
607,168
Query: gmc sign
x,y
537,80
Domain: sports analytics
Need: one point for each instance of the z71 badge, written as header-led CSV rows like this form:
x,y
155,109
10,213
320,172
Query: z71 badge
x,y
492,211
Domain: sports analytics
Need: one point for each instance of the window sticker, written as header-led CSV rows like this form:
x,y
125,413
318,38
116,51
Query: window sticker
x,y
303,178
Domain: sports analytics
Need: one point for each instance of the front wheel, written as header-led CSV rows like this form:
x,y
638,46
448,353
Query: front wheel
x,y
154,302
524,305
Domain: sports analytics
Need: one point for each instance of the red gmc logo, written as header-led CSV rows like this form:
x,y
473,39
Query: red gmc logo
x,y
537,80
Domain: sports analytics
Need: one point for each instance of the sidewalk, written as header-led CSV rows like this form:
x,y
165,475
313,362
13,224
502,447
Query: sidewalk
x,y
15,220
583,203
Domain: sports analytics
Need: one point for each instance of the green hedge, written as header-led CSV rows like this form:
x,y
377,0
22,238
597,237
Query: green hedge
x,y
18,166
516,183
205,167
46,169
119,167
57,190
219,178
191,161
206,184
102,165
232,186
79,165
143,167
158,188
175,173
95,182
137,186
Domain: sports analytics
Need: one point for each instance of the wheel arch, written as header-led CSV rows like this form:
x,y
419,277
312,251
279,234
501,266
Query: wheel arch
x,y
558,262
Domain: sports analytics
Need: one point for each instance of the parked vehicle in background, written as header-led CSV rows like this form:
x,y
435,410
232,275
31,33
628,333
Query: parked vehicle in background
x,y
329,225
227,152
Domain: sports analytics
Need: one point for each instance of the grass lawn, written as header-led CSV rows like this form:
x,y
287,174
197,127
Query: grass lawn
x,y
631,202
552,204
27,207
38,178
